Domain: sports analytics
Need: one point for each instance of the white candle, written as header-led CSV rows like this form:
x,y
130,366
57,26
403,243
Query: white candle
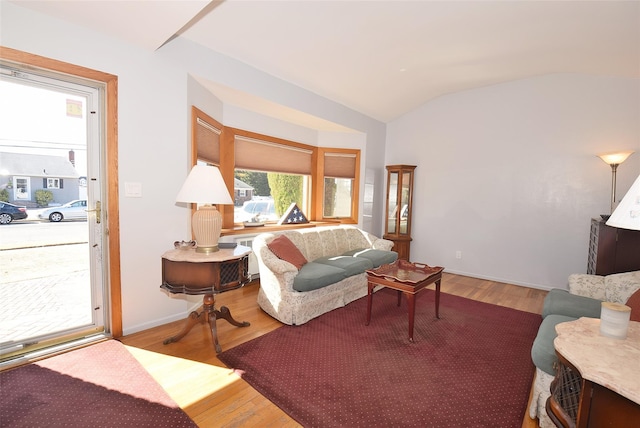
x,y
614,320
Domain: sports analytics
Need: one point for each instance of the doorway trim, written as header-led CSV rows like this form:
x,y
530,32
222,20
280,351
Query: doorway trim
x,y
111,152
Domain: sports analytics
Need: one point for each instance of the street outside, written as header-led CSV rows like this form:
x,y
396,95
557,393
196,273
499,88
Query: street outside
x,y
44,277
32,248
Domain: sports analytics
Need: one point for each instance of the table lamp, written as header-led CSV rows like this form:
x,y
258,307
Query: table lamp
x,y
614,159
627,214
205,186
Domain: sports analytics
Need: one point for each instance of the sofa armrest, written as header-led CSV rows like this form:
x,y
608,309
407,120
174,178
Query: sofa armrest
x,y
275,264
379,243
587,285
276,275
270,260
620,286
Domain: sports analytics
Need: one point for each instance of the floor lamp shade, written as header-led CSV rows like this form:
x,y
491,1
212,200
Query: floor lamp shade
x,y
205,186
627,214
614,159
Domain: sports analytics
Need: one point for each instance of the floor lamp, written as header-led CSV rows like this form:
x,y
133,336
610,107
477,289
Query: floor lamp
x,y
614,159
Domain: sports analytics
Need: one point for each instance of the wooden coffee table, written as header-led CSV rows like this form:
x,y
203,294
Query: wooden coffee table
x,y
408,278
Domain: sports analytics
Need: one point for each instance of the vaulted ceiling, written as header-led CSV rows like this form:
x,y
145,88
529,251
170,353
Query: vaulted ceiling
x,y
383,58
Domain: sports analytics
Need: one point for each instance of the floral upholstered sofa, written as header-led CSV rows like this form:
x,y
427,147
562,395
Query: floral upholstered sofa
x,y
307,272
583,299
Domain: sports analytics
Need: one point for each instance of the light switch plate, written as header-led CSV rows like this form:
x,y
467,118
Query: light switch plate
x,y
133,190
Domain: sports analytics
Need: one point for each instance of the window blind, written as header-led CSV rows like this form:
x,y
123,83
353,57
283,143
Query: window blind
x,y
340,165
261,155
208,142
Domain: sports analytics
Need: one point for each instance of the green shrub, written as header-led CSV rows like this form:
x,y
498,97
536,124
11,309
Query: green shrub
x,y
43,197
4,195
285,189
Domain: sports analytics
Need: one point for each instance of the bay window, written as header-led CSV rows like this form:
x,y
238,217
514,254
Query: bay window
x,y
322,182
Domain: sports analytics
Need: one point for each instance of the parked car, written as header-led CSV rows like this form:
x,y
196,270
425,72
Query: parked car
x,y
264,208
10,212
74,210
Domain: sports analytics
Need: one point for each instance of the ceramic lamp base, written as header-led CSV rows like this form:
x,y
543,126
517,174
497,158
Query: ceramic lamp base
x,y
207,225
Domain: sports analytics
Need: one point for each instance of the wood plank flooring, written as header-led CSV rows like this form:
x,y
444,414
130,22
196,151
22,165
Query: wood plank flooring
x,y
213,396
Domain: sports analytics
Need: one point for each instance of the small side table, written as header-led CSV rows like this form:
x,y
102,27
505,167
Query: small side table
x,y
408,278
192,273
598,379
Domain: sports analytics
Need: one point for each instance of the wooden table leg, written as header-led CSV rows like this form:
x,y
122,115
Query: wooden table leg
x,y
411,306
225,314
208,314
438,299
193,319
210,310
369,301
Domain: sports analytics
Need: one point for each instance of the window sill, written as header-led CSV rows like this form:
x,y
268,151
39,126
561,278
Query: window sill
x,y
272,227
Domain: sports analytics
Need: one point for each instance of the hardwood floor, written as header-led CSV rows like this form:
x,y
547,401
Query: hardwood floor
x,y
213,396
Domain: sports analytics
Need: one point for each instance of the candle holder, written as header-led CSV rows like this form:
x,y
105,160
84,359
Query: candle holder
x,y
614,320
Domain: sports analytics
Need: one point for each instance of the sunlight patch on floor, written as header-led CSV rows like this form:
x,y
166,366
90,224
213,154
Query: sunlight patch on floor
x,y
181,377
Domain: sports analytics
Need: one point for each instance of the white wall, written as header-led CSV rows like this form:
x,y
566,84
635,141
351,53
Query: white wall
x,y
154,102
508,174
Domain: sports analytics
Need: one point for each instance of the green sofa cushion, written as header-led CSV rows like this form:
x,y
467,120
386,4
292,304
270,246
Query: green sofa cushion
x,y
377,257
543,353
561,302
351,265
317,275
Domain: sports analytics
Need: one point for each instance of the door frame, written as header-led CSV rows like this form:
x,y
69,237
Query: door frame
x,y
112,217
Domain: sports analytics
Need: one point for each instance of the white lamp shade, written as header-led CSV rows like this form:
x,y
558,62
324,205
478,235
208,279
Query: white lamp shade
x,y
204,185
615,158
627,214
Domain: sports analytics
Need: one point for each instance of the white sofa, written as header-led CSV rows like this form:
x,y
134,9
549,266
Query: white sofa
x,y
561,306
277,295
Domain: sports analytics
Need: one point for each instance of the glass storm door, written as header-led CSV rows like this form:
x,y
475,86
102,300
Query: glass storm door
x,y
52,273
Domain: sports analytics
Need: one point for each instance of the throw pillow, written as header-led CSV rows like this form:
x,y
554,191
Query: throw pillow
x,y
634,304
286,250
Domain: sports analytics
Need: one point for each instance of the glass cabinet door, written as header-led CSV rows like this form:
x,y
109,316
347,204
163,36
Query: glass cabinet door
x,y
405,200
392,207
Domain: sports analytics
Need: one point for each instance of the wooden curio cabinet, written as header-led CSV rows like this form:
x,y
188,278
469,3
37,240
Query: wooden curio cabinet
x,y
398,212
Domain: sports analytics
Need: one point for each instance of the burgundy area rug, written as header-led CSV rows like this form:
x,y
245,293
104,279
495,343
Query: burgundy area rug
x,y
470,368
102,385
